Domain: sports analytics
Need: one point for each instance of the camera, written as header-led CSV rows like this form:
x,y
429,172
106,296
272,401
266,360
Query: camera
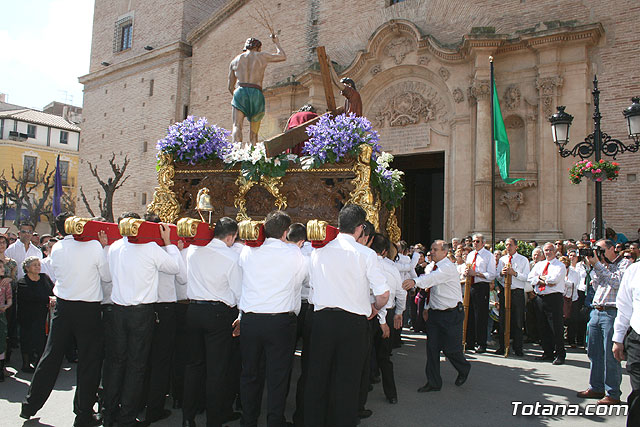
x,y
590,252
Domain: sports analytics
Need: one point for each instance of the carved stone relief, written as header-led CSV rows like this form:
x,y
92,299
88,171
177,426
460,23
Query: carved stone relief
x,y
513,122
458,96
398,48
512,199
423,60
376,69
512,98
444,73
480,89
409,103
547,88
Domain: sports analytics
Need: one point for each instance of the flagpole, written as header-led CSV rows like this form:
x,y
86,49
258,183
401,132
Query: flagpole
x,y
493,164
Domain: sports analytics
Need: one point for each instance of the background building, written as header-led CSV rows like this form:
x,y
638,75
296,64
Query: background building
x,y
30,142
422,69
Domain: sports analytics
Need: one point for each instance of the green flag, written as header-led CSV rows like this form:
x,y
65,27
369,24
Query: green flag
x,y
503,152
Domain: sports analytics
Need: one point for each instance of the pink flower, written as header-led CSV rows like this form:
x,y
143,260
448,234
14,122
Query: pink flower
x,y
589,164
598,179
598,170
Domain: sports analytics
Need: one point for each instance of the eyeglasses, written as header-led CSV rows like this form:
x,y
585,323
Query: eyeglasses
x,y
26,231
628,256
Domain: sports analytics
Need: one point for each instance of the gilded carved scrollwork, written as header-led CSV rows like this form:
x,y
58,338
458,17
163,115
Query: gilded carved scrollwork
x,y
164,203
240,202
362,195
272,184
392,227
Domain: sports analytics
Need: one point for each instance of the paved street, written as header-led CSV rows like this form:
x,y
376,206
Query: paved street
x,y
484,400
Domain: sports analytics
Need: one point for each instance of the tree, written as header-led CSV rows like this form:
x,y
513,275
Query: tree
x,y
109,187
67,204
21,191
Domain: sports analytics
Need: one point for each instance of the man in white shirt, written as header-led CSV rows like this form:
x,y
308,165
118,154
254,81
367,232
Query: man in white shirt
x,y
297,235
626,339
162,344
392,320
214,283
272,278
22,248
78,267
446,316
519,271
134,272
342,273
482,267
547,279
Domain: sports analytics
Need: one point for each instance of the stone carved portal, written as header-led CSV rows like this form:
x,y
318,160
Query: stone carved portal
x,y
408,103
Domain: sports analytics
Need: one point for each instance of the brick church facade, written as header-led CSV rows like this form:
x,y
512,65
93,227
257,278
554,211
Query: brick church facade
x,y
422,69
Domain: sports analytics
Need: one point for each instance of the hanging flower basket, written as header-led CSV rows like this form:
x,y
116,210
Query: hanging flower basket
x,y
596,171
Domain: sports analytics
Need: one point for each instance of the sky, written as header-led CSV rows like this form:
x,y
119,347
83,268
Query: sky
x,y
45,46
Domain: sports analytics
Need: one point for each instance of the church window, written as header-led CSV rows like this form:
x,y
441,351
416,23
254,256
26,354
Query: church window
x,y
123,34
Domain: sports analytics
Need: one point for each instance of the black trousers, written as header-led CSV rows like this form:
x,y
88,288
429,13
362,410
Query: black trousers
x,y
298,415
632,348
79,320
382,348
479,314
272,337
365,376
109,408
517,318
130,342
531,319
208,344
180,353
444,333
577,325
338,343
551,324
157,375
32,320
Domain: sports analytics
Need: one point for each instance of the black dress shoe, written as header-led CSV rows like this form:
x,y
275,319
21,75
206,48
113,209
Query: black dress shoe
x,y
365,413
232,416
93,421
558,361
461,379
154,417
392,400
481,349
28,369
427,387
545,358
500,351
519,353
375,379
26,412
188,423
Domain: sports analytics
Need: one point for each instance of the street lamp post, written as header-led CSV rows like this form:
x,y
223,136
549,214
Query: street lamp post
x,y
598,142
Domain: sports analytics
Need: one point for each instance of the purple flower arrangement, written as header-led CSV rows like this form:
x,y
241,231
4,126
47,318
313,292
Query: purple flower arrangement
x,y
334,138
193,140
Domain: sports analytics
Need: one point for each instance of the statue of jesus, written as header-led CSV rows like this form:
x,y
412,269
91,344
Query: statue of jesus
x,y
246,73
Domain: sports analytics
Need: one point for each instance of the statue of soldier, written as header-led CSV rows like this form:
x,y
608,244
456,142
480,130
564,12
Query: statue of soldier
x,y
246,73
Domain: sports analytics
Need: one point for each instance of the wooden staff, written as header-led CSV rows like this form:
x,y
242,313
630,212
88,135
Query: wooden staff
x,y
507,311
467,299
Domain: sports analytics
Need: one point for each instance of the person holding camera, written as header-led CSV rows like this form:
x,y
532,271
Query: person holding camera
x,y
606,372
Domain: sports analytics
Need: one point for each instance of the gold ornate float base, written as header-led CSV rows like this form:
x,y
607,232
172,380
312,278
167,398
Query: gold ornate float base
x,y
305,194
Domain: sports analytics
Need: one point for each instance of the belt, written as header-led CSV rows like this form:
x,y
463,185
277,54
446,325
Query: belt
x,y
449,309
133,307
286,313
183,301
604,307
254,86
199,301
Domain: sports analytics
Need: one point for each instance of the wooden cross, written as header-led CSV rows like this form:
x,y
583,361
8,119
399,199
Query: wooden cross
x,y
289,139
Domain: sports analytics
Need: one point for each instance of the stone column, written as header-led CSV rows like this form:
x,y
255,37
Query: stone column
x,y
480,91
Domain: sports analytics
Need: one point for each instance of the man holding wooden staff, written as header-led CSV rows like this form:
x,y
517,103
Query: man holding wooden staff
x,y
515,266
